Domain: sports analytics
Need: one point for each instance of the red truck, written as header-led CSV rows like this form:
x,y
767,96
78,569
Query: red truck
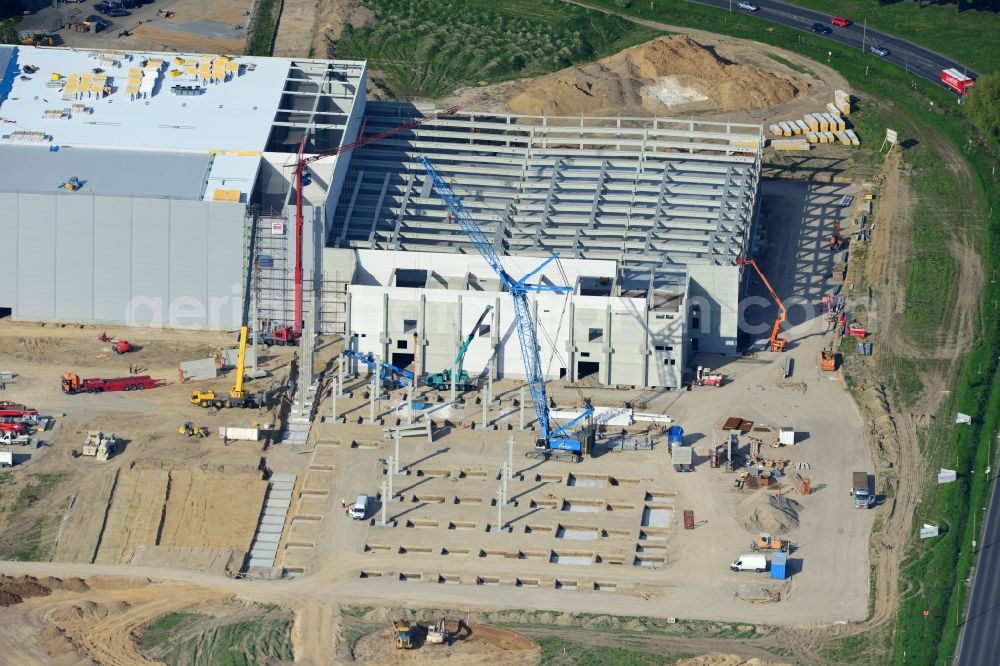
x,y
71,383
12,410
957,81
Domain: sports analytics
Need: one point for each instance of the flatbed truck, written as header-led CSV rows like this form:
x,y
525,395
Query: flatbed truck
x,y
73,384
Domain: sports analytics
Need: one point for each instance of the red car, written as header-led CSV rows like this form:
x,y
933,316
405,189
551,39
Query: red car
x,y
840,21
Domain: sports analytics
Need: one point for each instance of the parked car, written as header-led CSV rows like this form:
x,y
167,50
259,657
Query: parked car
x,y
749,6
821,29
879,50
129,4
840,21
117,12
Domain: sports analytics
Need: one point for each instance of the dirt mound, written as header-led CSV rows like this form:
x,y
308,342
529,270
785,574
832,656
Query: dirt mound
x,y
666,74
23,586
331,19
54,642
720,659
68,584
773,514
8,599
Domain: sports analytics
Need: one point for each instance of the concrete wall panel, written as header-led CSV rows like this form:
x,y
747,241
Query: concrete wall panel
x,y
113,258
188,258
9,261
74,274
36,250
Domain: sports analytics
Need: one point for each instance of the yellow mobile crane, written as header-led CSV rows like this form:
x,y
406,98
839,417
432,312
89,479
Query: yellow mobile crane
x,y
238,397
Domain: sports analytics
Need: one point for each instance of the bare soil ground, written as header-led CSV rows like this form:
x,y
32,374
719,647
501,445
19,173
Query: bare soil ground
x,y
219,26
479,644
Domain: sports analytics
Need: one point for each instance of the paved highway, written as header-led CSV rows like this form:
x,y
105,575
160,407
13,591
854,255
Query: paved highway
x,y
915,59
978,642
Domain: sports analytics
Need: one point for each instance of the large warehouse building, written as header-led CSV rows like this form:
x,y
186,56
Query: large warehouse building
x,y
184,214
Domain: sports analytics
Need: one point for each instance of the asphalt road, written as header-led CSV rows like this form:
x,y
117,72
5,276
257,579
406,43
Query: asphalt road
x,y
978,642
913,58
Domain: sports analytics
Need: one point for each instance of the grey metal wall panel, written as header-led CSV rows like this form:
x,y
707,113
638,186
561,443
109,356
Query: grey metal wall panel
x,y
151,262
224,242
74,264
36,243
188,258
113,259
9,260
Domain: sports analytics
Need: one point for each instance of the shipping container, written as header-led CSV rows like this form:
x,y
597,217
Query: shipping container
x,y
779,562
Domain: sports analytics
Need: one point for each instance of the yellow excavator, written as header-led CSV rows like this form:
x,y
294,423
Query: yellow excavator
x,y
238,397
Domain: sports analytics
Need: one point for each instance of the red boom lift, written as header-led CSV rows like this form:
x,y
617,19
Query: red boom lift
x,y
777,343
289,334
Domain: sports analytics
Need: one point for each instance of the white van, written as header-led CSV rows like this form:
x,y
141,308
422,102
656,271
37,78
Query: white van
x,y
750,562
360,509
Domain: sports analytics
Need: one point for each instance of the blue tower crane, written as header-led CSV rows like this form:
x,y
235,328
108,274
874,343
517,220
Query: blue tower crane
x,y
551,443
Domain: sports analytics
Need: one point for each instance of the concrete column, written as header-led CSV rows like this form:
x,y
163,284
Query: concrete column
x,y
334,417
504,477
501,499
571,345
384,339
486,408
521,410
409,403
510,457
420,353
390,475
606,347
457,341
372,397
386,489
495,341
395,469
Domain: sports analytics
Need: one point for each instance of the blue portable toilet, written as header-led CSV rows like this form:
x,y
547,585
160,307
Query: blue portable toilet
x,y
779,561
675,436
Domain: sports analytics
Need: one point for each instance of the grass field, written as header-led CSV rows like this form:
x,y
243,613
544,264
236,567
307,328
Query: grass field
x,y
262,38
964,36
428,48
32,537
561,652
197,639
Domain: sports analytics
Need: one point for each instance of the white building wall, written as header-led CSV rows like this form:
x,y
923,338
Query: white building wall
x,y
394,321
715,292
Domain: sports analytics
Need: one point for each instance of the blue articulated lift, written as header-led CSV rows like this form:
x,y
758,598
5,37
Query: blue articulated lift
x,y
552,443
391,376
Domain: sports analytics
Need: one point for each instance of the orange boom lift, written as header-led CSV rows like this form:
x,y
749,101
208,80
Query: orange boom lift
x,y
777,343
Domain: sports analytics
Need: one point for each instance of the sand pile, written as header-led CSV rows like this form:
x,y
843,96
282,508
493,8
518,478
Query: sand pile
x,y
667,74
773,514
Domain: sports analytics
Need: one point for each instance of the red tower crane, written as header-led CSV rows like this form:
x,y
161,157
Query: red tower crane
x,y
291,333
777,343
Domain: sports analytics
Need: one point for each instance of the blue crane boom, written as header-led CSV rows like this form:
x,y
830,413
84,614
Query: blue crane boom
x,y
518,289
387,372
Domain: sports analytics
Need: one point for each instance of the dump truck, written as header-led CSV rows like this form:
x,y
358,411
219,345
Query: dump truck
x,y
73,384
99,445
401,634
861,491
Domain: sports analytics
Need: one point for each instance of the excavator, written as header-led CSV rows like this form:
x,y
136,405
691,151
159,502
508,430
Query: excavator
x,y
238,396
777,343
441,381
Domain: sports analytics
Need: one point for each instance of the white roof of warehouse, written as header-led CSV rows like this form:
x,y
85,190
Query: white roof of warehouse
x,y
231,115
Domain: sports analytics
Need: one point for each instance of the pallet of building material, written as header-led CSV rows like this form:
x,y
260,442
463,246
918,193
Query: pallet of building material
x,y
837,123
823,125
785,129
832,109
843,101
812,137
855,141
732,423
791,144
831,137
775,130
812,121
803,128
844,139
